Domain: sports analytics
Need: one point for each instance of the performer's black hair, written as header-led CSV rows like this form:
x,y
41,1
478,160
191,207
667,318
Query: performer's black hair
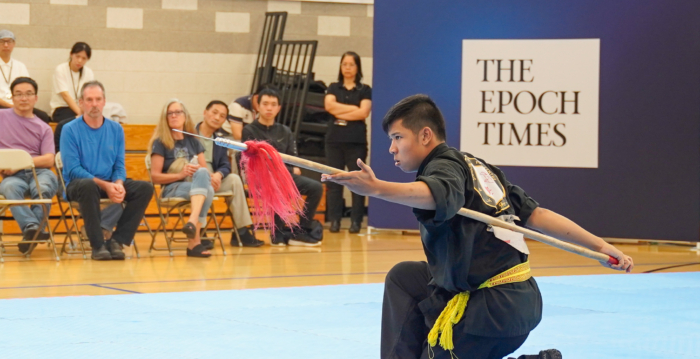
x,y
417,112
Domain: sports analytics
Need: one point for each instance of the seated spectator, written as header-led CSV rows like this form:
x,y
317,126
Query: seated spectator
x,y
12,69
22,130
179,166
92,150
68,78
110,215
222,180
280,136
243,111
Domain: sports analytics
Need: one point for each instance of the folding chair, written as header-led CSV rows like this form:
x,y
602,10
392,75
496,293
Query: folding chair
x,y
16,160
227,196
73,208
166,206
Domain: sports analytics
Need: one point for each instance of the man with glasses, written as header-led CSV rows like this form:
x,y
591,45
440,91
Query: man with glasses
x,y
222,180
10,69
92,150
22,130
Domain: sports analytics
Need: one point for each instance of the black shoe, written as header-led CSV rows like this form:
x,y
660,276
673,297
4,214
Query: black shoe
x,y
278,239
28,235
101,254
197,252
544,354
355,227
247,238
115,249
303,239
207,244
190,230
335,226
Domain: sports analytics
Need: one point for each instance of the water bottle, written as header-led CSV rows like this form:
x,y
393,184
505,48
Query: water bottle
x,y
193,161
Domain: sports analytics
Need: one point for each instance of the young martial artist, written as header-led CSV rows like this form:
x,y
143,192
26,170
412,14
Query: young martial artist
x,y
468,266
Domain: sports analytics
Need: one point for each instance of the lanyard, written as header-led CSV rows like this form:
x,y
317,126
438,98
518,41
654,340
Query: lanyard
x,y
8,78
75,89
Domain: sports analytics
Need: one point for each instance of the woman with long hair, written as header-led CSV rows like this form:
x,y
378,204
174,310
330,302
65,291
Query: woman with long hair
x,y
350,102
175,159
68,79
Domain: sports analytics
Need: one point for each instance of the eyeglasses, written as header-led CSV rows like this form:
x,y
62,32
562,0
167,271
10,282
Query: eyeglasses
x,y
175,113
7,42
23,95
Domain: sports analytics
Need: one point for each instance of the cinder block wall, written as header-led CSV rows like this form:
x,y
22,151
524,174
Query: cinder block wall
x,y
148,51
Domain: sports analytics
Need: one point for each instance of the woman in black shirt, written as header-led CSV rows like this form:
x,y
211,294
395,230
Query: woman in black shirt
x,y
350,102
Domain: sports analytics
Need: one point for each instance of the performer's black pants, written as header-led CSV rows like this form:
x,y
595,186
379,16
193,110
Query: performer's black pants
x,y
341,155
86,192
405,333
63,113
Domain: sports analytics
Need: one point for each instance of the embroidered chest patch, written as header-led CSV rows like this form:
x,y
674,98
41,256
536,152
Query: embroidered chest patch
x,y
488,186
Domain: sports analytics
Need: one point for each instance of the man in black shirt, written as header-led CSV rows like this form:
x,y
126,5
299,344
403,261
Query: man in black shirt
x,y
465,259
280,137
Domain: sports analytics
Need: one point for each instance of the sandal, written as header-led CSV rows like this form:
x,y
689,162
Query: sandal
x,y
190,230
197,252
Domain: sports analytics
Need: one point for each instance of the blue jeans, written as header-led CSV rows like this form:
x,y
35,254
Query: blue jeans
x,y
21,184
200,185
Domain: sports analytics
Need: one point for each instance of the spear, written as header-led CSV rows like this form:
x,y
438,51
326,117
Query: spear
x,y
251,150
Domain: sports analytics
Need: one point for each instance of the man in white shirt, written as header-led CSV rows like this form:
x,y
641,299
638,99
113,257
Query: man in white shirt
x,y
10,69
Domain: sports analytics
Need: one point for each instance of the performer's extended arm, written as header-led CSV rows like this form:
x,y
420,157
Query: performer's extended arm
x,y
364,182
418,195
560,227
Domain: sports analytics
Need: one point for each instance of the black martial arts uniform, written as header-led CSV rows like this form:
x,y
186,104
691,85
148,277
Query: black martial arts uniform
x,y
462,254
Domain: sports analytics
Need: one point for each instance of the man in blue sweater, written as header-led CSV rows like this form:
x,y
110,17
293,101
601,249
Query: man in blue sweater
x,y
92,150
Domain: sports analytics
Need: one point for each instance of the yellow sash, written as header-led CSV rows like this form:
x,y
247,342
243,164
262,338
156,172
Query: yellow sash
x,y
458,304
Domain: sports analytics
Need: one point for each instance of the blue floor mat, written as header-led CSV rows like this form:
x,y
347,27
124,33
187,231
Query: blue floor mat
x,y
603,316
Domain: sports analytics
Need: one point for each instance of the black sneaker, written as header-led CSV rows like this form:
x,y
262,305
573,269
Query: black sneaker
x,y
247,238
278,239
101,254
303,239
550,354
28,235
544,354
115,249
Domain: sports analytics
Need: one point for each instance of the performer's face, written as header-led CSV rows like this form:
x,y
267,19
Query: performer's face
x,y
406,147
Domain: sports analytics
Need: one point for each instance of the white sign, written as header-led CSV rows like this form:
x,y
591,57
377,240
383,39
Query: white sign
x,y
531,102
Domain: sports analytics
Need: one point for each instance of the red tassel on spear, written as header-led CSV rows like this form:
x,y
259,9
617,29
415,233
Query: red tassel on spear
x,y
270,185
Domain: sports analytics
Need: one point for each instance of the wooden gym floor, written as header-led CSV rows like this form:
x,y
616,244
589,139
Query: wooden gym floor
x,y
343,258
